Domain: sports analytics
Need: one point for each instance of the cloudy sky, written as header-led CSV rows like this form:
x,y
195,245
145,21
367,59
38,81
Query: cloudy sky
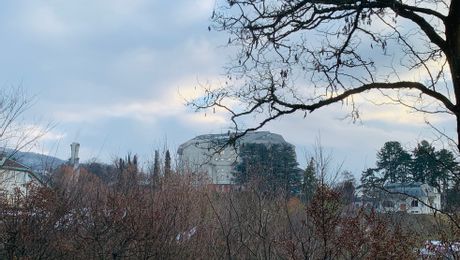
x,y
113,75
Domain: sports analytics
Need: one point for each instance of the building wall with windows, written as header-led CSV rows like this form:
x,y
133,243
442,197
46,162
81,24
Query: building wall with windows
x,y
415,198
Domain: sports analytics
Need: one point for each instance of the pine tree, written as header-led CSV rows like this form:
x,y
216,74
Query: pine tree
x,y
447,167
394,162
309,181
285,170
271,168
425,164
370,180
253,163
393,165
156,168
168,168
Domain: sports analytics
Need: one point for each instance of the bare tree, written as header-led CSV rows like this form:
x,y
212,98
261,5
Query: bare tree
x,y
302,55
15,133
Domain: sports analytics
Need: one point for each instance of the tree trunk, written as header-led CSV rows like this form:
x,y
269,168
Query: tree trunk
x,y
453,56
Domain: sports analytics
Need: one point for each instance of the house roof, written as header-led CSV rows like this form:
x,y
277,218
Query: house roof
x,y
259,137
9,163
416,189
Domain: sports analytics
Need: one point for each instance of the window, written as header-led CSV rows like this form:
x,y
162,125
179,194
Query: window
x,y
414,203
402,207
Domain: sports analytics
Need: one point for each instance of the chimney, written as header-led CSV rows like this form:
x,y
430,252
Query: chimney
x,y
74,160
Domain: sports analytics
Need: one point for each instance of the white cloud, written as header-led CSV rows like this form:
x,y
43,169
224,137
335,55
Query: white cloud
x,y
44,22
141,61
211,120
168,103
124,7
141,110
354,145
51,135
193,10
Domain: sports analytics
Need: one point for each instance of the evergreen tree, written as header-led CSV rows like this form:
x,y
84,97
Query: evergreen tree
x,y
168,168
425,164
435,168
285,168
156,167
254,163
448,167
271,168
309,181
393,165
370,180
394,162
452,198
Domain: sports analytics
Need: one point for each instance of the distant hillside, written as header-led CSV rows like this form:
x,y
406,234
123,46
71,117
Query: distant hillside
x,y
37,162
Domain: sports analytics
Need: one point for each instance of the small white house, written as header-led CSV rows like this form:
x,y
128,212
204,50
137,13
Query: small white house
x,y
16,176
415,198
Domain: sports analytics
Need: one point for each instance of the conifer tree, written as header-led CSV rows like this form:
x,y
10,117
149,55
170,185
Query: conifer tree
x,y
168,168
394,162
309,181
272,168
156,167
424,163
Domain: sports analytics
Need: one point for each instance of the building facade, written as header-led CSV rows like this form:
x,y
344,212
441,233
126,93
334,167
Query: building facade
x,y
15,176
414,198
210,155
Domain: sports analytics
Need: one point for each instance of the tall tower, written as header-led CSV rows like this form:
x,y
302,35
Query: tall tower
x,y
74,160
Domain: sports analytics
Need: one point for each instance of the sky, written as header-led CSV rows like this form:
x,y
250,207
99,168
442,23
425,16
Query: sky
x,y
114,75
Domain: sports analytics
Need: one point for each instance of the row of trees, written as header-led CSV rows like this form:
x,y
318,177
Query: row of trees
x,y
127,169
424,164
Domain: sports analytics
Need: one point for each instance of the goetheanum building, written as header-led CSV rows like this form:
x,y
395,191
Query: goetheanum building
x,y
208,154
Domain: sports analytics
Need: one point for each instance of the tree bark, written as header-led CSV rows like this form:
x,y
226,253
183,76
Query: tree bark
x,y
453,56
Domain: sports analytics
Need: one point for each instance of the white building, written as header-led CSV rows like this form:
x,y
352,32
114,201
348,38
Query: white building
x,y
15,176
209,154
415,198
